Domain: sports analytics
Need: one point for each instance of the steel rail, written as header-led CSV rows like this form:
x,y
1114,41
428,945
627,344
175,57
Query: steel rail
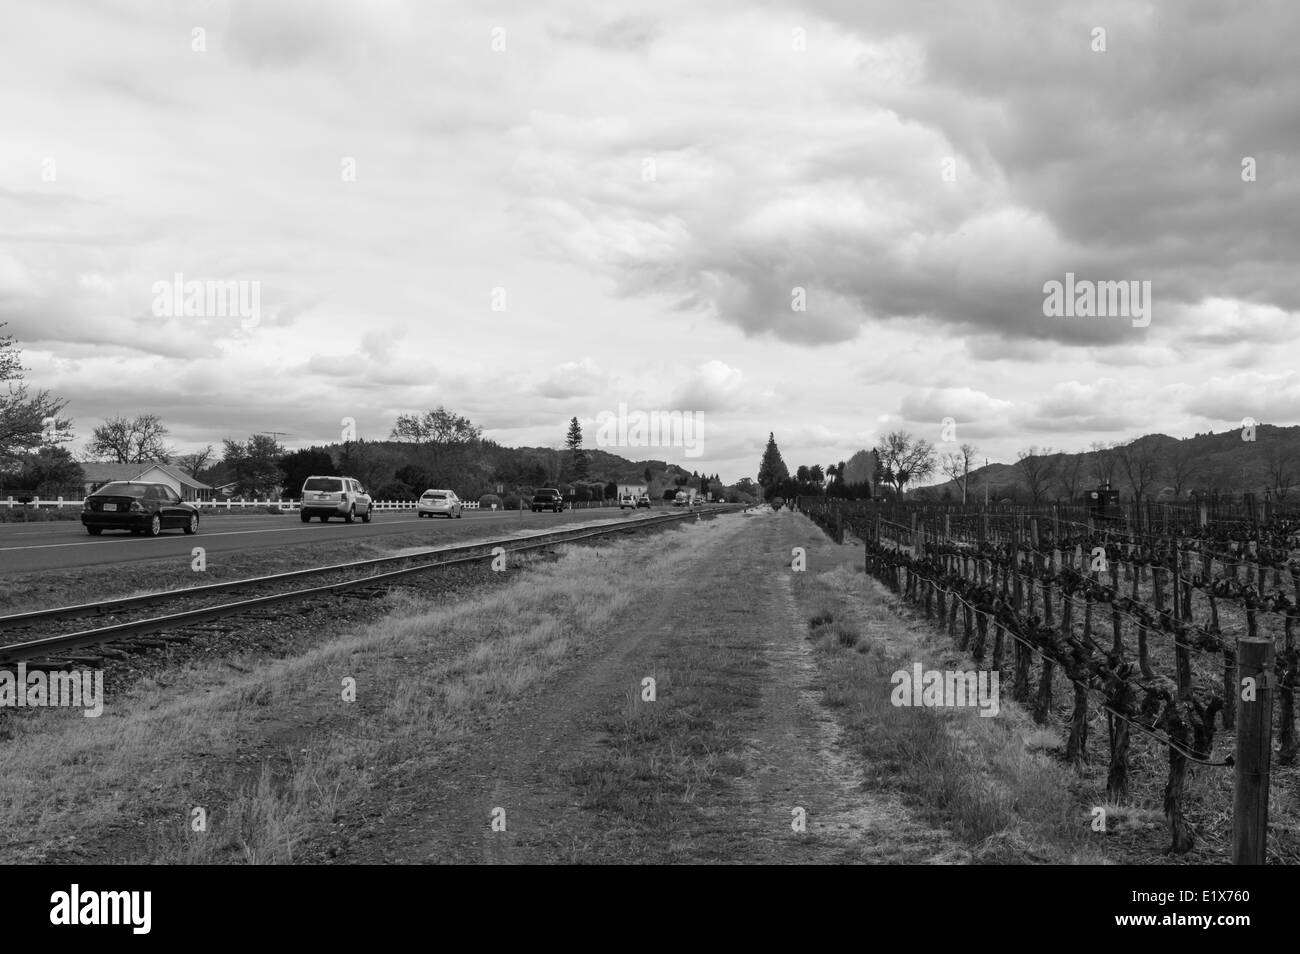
x,y
38,648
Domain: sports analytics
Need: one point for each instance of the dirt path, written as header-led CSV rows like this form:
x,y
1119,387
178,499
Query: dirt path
x,y
734,753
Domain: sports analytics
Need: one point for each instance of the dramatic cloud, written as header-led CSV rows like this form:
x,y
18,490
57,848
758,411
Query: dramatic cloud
x,y
825,220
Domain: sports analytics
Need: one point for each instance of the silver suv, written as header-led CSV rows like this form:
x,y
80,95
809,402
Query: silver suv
x,y
327,497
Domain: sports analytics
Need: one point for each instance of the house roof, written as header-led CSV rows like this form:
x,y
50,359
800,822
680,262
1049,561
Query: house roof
x,y
177,475
100,473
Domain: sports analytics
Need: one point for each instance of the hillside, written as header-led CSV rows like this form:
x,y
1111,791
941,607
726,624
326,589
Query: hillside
x,y
399,469
1205,463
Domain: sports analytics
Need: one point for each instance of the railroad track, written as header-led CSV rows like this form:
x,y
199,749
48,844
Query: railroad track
x,y
53,651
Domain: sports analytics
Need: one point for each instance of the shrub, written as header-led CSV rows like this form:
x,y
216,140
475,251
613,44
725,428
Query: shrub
x,y
488,501
846,635
274,508
513,502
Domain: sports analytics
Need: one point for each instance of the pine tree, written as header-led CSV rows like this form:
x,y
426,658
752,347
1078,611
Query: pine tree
x,y
573,441
772,471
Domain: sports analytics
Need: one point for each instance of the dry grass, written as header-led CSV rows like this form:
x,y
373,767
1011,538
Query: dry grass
x,y
970,774
424,676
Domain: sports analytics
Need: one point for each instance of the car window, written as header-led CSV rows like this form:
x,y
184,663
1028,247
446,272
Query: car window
x,y
326,484
122,489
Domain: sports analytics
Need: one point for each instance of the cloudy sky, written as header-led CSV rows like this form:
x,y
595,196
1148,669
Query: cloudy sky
x,y
828,219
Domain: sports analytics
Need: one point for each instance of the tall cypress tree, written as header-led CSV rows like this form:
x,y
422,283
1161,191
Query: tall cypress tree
x,y
573,441
772,471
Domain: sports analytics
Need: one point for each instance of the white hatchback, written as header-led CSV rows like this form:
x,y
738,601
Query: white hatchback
x,y
442,502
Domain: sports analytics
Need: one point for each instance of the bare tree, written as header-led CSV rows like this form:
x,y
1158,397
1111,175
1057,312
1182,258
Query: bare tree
x,y
1070,472
1139,461
137,441
1280,461
1183,467
1036,468
905,459
193,463
956,467
1103,462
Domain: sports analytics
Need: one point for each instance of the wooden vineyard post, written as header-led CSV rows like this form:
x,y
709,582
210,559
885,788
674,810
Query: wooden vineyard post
x,y
1043,703
981,637
1254,748
1119,697
1174,722
1290,682
1076,748
1182,652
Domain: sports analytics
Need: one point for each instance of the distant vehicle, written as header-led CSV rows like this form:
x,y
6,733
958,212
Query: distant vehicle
x,y
327,497
444,502
682,499
643,501
138,507
548,498
627,500
697,502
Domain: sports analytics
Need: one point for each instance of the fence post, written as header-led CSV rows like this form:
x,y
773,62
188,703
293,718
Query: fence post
x,y
1254,748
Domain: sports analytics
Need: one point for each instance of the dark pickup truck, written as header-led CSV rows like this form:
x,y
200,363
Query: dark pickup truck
x,y
548,499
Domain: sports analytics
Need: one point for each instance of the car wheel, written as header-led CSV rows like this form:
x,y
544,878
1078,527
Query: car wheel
x,y
192,525
155,526
420,515
365,517
458,514
306,517
94,531
351,515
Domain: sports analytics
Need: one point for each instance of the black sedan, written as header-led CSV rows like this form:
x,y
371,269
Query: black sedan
x,y
138,507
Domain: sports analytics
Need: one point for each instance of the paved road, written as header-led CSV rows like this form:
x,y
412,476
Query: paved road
x,y
27,547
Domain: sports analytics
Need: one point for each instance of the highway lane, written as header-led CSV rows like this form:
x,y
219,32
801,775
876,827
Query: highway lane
x,y
30,547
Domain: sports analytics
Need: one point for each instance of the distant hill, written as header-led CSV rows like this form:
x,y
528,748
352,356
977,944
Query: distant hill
x,y
398,469
1210,462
